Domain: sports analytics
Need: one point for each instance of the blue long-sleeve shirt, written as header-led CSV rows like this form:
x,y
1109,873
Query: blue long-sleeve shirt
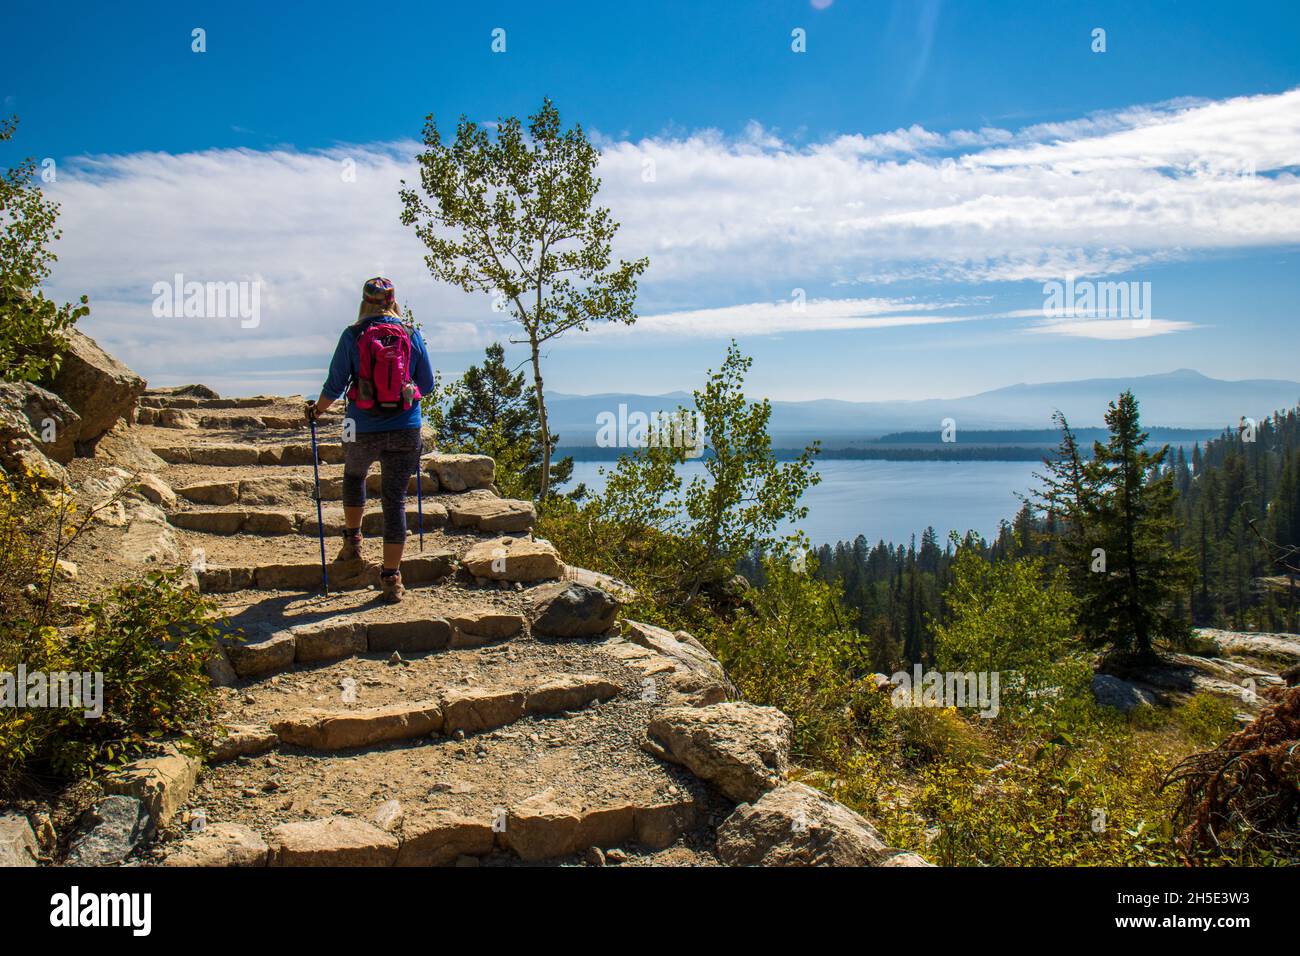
x,y
343,372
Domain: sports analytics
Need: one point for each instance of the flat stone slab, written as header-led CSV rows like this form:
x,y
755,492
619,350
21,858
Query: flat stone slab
x,y
332,841
220,844
254,659
492,514
513,559
18,846
408,637
243,740
569,692
545,825
343,730
477,709
423,568
439,837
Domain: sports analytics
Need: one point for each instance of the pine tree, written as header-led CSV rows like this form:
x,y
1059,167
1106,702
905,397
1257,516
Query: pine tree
x,y
1129,514
490,411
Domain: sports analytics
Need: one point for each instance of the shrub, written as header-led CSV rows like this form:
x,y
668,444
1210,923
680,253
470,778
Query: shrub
x,y
31,327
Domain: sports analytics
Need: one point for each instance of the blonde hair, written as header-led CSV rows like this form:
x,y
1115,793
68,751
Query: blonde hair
x,y
370,310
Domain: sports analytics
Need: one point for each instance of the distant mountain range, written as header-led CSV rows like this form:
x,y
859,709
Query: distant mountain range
x,y
1179,399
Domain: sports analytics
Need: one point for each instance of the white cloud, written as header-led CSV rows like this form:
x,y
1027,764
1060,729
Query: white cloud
x,y
1101,194
1110,329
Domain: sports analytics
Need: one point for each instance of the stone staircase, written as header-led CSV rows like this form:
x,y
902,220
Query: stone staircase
x,y
502,713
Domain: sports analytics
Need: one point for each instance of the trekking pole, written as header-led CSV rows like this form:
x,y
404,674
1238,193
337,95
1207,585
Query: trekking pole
x,y
419,494
320,520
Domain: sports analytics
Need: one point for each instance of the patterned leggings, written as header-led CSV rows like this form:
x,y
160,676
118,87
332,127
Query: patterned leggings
x,y
398,454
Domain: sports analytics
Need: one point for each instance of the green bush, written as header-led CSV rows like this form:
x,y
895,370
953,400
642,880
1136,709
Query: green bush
x,y
32,328
150,640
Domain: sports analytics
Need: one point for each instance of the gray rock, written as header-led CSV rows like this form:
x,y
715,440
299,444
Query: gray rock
x,y
1122,695
118,825
568,609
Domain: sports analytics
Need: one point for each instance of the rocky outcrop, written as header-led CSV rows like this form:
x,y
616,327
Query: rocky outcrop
x,y
740,748
98,387
796,825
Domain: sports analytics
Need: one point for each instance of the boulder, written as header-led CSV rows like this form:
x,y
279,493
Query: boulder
x,y
695,675
332,841
98,387
796,825
116,826
568,609
212,493
18,846
1124,696
741,748
476,628
30,412
149,538
513,559
156,490
161,783
220,844
461,472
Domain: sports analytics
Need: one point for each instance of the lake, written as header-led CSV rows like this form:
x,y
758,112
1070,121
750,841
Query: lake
x,y
895,499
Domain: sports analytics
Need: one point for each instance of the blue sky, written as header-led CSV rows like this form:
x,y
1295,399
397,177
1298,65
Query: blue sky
x,y
922,162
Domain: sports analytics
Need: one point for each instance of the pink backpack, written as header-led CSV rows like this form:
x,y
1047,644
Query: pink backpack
x,y
384,369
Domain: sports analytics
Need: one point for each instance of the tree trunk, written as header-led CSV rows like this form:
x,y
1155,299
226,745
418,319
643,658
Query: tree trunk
x,y
541,417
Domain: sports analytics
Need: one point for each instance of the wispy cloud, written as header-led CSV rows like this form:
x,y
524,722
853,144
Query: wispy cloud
x,y
1101,194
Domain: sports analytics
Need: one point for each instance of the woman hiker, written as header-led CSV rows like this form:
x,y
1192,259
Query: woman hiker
x,y
383,366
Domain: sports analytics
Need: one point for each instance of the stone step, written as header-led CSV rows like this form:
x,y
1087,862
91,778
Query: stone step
x,y
546,825
541,788
273,489
178,401
182,419
340,637
464,710
306,575
221,521
236,455
490,515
